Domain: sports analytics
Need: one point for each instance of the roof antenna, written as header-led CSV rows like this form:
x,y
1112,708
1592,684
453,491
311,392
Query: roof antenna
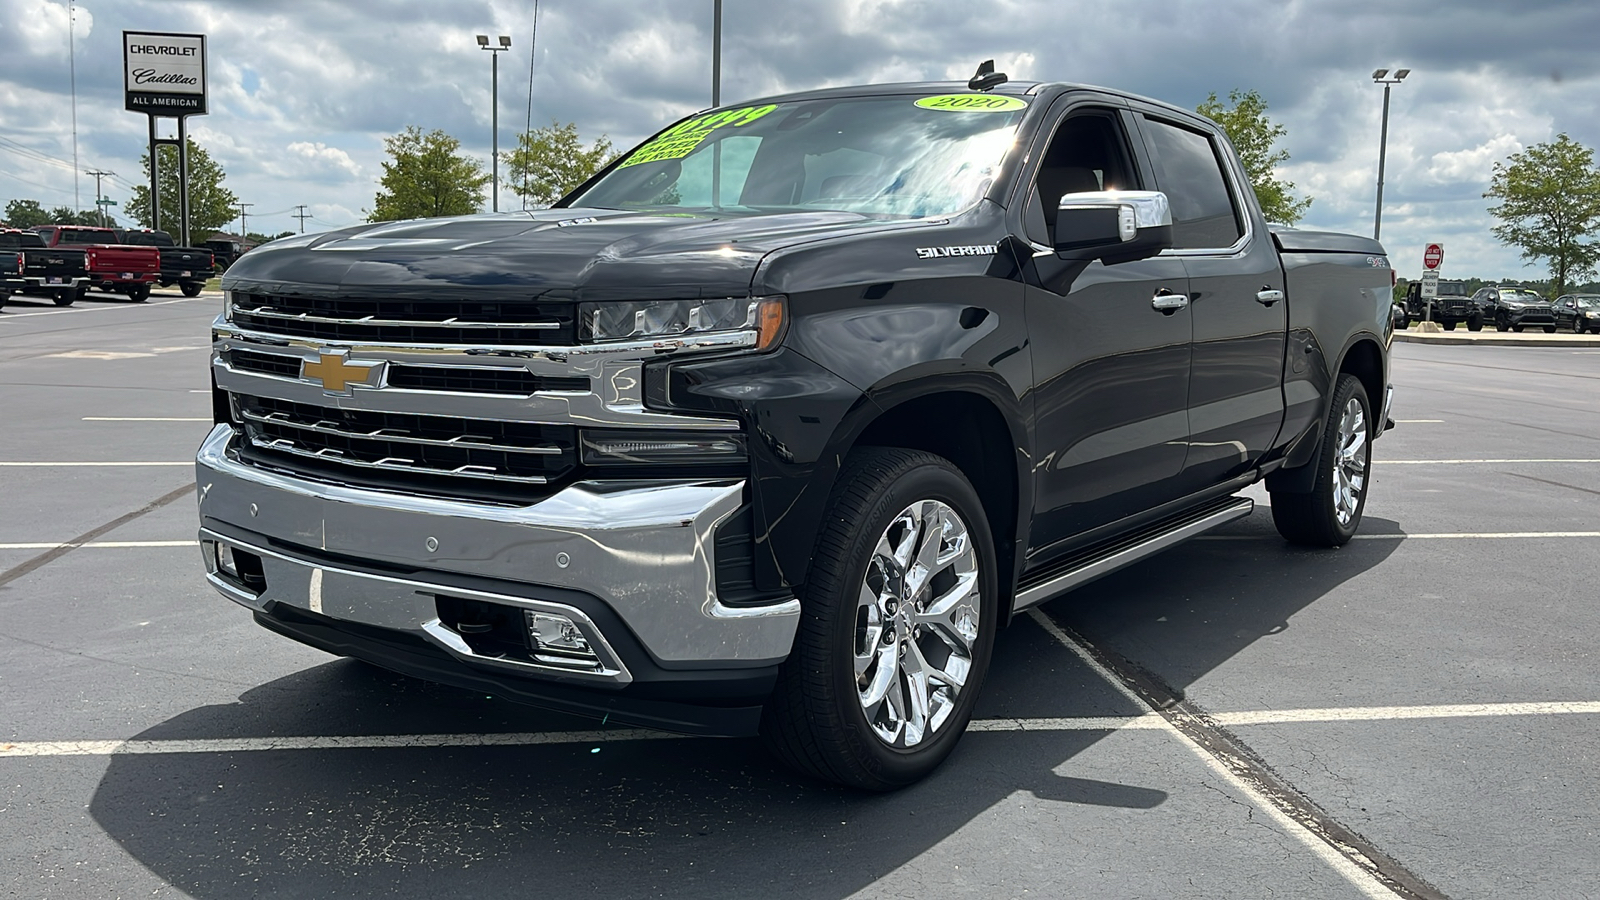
x,y
986,77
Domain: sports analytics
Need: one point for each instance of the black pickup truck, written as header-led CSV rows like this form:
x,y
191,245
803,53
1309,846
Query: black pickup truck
x,y
59,273
770,426
186,267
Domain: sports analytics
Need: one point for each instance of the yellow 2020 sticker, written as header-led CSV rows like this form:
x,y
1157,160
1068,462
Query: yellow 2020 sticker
x,y
681,139
972,103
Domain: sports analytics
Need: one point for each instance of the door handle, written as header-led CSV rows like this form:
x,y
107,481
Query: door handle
x,y
1168,303
1268,296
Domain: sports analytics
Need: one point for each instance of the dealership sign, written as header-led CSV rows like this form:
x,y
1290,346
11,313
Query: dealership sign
x,y
164,74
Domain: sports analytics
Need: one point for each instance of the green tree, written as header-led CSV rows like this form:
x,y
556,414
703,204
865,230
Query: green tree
x,y
66,215
427,176
1550,207
549,162
211,205
1253,135
26,214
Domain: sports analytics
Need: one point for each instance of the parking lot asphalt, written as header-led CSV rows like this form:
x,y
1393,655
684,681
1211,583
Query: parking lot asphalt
x,y
1433,688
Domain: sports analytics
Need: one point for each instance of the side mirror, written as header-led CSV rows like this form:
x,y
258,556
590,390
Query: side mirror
x,y
1113,226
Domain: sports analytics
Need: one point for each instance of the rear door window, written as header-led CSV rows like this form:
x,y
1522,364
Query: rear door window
x,y
1188,170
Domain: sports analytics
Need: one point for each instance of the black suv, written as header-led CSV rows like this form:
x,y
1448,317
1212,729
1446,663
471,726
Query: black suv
x,y
1513,308
1449,307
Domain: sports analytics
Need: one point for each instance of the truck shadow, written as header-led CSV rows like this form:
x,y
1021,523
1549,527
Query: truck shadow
x,y
708,818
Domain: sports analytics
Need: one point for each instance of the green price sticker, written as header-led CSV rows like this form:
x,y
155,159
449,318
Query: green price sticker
x,y
681,139
972,103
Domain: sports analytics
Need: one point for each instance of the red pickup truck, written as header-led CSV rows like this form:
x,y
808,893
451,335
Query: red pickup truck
x,y
113,265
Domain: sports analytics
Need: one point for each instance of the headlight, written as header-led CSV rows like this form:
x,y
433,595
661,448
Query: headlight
x,y
1593,314
1512,304
227,306
761,318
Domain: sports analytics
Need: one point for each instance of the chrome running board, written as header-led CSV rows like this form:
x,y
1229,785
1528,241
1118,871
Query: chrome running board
x,y
1116,556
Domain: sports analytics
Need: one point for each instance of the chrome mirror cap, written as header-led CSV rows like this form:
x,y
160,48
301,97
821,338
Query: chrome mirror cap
x,y
1135,209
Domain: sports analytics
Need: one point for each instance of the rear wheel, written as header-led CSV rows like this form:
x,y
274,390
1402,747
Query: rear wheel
x,y
64,296
191,288
139,294
899,612
1329,515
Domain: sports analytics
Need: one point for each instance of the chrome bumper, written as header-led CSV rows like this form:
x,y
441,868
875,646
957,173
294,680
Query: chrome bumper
x,y
645,551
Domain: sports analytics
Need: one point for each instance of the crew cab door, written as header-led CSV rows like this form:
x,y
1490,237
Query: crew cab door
x,y
1111,371
1237,301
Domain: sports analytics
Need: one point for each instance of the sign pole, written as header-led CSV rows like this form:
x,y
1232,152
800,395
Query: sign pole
x,y
155,177
183,181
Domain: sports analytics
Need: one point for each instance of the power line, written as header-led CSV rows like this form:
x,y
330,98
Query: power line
x,y
302,215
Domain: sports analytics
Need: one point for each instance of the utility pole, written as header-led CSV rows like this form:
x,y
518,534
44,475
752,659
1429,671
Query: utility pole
x,y
494,101
244,228
716,53
99,206
72,64
302,215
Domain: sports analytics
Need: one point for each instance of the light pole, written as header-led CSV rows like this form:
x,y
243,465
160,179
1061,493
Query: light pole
x,y
1381,76
716,52
494,113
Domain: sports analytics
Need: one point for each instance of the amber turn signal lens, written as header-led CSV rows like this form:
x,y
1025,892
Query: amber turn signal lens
x,y
771,317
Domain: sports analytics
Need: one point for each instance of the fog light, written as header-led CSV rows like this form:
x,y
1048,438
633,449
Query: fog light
x,y
604,448
556,639
226,564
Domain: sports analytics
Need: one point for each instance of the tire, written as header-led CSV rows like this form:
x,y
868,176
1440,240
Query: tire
x,y
1450,326
191,288
1577,325
1330,514
64,297
1475,323
818,720
1518,328
1549,329
1501,324
139,294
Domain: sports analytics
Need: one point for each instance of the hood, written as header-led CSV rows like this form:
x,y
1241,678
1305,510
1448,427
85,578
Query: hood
x,y
554,254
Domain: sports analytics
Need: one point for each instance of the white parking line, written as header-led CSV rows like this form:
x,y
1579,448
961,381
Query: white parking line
x,y
1147,721
147,418
1417,421
1441,536
1471,462
56,465
99,545
88,309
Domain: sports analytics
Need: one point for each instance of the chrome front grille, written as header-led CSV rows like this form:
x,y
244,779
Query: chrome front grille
x,y
437,321
404,451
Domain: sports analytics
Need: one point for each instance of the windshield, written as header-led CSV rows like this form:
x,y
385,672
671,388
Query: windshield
x,y
1452,288
1520,296
895,156
1588,301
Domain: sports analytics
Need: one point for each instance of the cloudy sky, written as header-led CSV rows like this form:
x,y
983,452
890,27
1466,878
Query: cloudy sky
x,y
304,91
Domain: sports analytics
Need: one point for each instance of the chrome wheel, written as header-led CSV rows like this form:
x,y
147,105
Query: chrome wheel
x,y
917,623
1350,462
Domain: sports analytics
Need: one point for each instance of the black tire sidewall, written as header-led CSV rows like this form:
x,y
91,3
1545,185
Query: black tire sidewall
x,y
1348,387
932,480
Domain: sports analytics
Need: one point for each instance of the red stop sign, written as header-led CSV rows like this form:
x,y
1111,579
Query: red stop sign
x,y
1433,256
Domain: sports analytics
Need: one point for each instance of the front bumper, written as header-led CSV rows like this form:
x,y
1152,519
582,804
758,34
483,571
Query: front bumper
x,y
632,564
1532,315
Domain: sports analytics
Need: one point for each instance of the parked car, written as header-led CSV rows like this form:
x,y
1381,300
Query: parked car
x,y
1580,312
779,452
187,267
1450,307
59,273
224,252
1513,309
112,264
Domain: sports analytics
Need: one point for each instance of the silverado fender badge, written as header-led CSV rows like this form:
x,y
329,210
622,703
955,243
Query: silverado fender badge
x,y
941,252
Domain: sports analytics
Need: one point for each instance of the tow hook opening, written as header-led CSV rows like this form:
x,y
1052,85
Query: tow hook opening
x,y
505,632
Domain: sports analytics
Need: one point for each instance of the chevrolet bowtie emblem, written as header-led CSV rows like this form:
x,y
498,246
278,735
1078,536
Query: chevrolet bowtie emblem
x,y
336,374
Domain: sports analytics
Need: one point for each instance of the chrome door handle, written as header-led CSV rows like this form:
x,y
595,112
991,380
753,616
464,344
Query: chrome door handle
x,y
1167,304
1268,296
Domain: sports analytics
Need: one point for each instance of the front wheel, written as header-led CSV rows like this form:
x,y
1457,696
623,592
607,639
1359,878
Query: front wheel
x,y
1549,329
1450,325
1518,328
1475,323
1501,324
899,612
1330,514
